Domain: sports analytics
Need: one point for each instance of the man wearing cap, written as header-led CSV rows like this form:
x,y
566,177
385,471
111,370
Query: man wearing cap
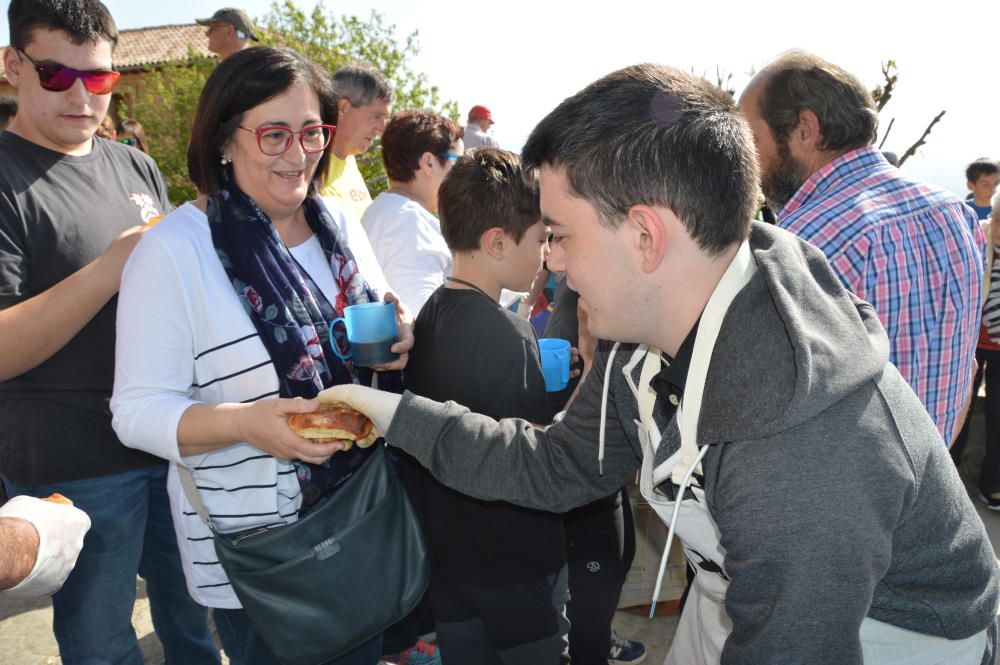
x,y
230,30
476,132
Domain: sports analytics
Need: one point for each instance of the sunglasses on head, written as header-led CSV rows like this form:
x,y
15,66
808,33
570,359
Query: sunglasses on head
x,y
58,78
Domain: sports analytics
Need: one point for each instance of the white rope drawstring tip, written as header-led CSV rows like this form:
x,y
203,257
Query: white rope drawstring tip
x,y
685,483
600,467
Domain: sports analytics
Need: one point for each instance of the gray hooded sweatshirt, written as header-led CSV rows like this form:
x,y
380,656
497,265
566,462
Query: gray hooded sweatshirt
x,y
834,496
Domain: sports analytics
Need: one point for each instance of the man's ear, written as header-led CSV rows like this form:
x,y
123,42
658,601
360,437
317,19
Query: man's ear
x,y
808,133
342,105
12,66
494,242
649,232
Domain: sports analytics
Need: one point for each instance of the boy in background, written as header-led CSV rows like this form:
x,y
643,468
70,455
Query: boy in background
x,y
8,109
982,175
498,578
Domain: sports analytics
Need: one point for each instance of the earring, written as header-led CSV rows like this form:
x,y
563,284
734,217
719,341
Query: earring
x,y
225,160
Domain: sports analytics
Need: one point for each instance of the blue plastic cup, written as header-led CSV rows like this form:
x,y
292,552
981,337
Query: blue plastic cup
x,y
555,363
371,330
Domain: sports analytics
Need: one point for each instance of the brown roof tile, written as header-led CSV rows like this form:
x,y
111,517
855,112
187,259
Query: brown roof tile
x,y
140,48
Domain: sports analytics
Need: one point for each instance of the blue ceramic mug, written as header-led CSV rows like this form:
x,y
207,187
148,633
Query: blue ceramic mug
x,y
371,330
555,363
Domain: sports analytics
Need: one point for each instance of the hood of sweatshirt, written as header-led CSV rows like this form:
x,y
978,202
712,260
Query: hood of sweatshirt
x,y
789,347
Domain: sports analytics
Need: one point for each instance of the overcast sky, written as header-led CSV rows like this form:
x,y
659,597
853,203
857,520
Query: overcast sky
x,y
520,58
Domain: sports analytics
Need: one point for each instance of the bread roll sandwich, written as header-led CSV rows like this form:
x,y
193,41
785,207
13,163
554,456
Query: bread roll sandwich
x,y
334,420
58,498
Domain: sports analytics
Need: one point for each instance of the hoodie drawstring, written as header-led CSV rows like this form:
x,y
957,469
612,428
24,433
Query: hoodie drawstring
x,y
604,409
670,532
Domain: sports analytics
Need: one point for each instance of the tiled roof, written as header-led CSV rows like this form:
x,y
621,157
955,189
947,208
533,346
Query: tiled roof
x,y
141,48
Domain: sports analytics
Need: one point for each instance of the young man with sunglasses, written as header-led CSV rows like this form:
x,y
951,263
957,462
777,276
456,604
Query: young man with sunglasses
x,y
71,211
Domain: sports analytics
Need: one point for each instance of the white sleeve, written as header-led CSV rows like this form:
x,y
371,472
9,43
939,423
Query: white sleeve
x,y
154,352
413,257
360,246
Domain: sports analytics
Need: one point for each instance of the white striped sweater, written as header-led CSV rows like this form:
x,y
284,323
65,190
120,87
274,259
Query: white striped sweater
x,y
183,338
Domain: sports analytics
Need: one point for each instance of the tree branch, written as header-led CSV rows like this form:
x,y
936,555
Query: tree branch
x,y
913,148
883,93
886,135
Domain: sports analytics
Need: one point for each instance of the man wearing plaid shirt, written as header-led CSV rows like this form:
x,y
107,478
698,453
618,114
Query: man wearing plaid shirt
x,y
910,249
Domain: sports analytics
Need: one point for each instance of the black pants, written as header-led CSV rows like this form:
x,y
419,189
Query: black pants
x,y
600,546
516,622
989,369
404,633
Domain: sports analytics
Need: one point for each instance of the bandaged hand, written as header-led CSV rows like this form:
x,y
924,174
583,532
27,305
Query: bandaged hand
x,y
379,406
60,529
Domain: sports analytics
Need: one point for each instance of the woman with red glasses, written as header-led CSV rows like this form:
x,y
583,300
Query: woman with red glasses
x,y
224,320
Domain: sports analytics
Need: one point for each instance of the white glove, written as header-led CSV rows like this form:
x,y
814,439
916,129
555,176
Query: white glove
x,y
61,529
379,406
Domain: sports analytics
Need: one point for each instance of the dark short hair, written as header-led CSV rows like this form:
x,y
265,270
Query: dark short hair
x,y
8,107
83,20
797,81
982,166
655,135
241,82
409,135
361,84
133,127
487,188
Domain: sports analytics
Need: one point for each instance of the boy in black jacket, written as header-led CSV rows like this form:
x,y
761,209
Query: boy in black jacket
x,y
498,580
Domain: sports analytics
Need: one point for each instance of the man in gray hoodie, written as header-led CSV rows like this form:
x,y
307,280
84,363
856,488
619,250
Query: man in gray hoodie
x,y
804,478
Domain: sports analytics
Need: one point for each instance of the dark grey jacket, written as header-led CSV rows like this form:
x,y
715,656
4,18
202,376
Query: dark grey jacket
x,y
834,495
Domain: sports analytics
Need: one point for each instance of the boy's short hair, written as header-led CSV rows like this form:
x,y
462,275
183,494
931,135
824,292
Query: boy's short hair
x,y
83,20
655,135
485,189
982,166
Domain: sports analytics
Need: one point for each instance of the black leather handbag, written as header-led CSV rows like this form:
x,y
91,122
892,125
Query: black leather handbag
x,y
329,582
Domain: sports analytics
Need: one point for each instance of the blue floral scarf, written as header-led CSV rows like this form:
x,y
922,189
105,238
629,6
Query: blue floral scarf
x,y
291,314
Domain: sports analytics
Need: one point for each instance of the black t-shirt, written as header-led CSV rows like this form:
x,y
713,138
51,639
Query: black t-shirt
x,y
470,350
57,214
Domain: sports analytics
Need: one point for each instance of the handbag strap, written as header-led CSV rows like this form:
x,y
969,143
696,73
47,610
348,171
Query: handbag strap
x,y
193,497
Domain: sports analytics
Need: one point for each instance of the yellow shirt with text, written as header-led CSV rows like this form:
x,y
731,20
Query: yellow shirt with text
x,y
344,182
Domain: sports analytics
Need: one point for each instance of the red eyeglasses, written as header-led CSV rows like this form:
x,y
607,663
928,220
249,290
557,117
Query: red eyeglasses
x,y
58,78
274,140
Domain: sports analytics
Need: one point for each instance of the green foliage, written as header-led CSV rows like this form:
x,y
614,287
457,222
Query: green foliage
x,y
164,104
331,42
165,101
